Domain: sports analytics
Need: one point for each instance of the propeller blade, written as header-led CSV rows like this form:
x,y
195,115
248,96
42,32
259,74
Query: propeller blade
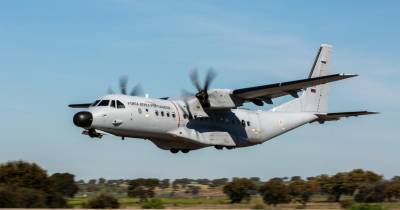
x,y
195,79
123,81
137,91
209,78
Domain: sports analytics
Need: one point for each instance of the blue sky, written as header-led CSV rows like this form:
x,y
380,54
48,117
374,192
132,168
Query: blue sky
x,y
58,52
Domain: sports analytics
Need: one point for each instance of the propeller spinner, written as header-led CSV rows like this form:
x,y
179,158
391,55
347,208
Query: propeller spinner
x,y
202,94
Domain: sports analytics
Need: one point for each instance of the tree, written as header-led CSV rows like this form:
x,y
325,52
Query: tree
x,y
239,189
142,188
29,187
103,201
301,190
203,181
274,192
183,182
164,183
393,189
371,193
23,174
64,184
218,182
101,181
346,183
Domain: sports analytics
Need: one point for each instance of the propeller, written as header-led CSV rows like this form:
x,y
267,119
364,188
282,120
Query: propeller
x,y
202,94
123,84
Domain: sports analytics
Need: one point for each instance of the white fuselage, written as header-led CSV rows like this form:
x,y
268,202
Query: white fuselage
x,y
166,123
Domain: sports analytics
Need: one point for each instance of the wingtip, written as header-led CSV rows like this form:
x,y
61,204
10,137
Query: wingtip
x,y
347,75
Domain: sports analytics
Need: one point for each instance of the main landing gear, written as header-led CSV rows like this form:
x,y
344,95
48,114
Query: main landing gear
x,y
219,147
177,150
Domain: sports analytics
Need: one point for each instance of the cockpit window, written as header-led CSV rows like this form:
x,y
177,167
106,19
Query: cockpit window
x,y
120,105
112,104
95,103
104,103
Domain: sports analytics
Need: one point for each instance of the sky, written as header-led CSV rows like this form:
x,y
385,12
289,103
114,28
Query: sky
x,y
53,53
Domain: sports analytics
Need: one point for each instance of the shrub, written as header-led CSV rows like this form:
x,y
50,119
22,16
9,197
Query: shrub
x,y
103,201
301,206
345,204
239,189
258,206
367,207
153,204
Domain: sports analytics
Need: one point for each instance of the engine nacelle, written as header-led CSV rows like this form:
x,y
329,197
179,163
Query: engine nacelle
x,y
221,99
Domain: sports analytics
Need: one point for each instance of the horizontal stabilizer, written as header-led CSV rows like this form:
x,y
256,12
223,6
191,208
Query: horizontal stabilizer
x,y
337,115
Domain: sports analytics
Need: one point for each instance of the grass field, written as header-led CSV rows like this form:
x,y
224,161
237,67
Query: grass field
x,y
222,203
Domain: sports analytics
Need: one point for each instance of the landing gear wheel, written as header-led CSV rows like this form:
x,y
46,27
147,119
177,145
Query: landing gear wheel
x,y
185,150
230,147
174,150
218,147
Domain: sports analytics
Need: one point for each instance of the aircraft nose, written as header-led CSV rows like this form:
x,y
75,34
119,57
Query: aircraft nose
x,y
83,119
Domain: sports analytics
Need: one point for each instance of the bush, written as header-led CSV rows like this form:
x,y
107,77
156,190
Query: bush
x,y
153,204
345,204
301,206
103,201
367,207
239,189
258,206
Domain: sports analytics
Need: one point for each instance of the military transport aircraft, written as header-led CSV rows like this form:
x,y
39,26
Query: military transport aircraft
x,y
213,117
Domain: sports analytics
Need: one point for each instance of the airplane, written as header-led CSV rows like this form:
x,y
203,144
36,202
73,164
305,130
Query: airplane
x,y
214,117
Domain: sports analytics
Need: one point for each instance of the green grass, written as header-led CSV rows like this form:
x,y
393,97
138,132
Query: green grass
x,y
126,201
221,203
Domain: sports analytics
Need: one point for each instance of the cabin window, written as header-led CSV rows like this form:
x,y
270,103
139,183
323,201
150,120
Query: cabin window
x,y
140,110
167,114
104,103
248,123
120,105
185,116
147,110
162,113
112,104
243,123
156,112
173,115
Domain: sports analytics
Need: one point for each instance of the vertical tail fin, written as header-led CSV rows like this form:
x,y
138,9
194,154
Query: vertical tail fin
x,y
314,99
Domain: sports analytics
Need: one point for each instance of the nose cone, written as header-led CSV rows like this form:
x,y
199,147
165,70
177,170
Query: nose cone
x,y
83,119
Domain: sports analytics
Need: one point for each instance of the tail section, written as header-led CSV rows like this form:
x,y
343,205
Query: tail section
x,y
313,99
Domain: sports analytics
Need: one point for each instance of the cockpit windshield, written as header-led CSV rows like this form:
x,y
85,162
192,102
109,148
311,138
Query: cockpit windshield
x,y
104,103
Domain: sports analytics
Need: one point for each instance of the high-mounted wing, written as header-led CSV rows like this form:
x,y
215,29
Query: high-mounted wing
x,y
79,105
268,92
337,115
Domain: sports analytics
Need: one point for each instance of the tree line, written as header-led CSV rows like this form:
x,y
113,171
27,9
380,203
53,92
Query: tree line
x,y
363,186
26,185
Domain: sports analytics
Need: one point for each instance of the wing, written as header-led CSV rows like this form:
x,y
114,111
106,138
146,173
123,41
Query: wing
x,y
268,92
337,115
79,105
